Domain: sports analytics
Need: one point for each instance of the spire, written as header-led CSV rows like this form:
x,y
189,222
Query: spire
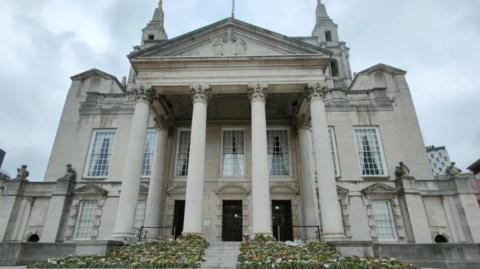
x,y
155,29
325,29
321,10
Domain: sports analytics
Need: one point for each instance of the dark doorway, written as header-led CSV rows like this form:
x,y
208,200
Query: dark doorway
x,y
441,239
232,224
282,220
34,238
178,215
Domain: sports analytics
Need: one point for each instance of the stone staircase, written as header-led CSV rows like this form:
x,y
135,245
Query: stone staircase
x,y
222,255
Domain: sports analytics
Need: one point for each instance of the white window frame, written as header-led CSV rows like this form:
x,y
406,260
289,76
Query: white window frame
x,y
290,152
243,129
382,151
178,151
90,150
77,222
153,132
333,140
392,220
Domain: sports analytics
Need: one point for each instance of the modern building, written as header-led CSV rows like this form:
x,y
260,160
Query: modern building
x,y
213,134
439,159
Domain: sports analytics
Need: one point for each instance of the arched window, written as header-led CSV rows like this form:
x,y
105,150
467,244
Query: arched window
x,y
34,238
441,239
334,68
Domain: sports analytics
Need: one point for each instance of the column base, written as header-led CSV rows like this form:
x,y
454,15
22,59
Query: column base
x,y
334,237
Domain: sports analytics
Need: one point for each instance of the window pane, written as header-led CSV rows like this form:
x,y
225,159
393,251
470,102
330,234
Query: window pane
x,y
278,153
382,216
148,154
369,152
101,153
233,153
183,152
333,149
139,214
86,220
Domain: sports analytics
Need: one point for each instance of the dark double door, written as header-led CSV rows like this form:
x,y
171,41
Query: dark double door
x,y
282,220
232,222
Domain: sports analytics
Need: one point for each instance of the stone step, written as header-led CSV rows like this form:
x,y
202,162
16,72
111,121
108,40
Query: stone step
x,y
221,255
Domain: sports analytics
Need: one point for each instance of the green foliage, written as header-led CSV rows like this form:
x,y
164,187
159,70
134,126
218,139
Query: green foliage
x,y
186,252
263,253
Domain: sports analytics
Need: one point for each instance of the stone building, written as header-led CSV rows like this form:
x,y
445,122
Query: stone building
x,y
4,176
233,129
439,159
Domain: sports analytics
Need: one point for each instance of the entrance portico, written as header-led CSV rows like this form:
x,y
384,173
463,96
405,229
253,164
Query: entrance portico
x,y
198,91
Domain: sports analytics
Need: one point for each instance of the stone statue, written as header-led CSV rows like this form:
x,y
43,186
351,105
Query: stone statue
x,y
452,170
402,170
22,173
70,174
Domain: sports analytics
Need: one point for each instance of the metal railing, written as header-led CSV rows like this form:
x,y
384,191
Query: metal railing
x,y
303,233
163,233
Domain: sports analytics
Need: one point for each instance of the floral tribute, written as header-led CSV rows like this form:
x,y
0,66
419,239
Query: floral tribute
x,y
186,252
264,252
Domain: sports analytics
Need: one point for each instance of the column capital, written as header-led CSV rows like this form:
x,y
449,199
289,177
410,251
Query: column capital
x,y
200,92
257,91
316,90
144,94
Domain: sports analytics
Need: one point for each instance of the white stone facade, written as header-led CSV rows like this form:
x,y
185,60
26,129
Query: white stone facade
x,y
255,133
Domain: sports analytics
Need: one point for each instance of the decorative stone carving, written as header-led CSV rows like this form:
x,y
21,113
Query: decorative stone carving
x,y
402,170
200,92
303,122
70,173
257,92
145,95
22,173
316,90
163,122
452,170
229,44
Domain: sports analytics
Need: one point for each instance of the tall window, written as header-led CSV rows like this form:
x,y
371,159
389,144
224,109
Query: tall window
x,y
333,149
139,214
101,148
370,152
278,153
233,153
328,35
86,220
383,219
148,153
183,153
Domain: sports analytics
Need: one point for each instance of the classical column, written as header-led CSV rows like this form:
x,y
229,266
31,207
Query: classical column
x,y
332,225
261,209
133,168
196,164
311,216
153,214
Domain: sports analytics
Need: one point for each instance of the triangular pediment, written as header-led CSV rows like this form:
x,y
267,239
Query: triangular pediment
x,y
90,189
380,188
229,38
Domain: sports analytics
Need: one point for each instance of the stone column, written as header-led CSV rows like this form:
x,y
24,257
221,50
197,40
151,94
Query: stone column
x,y
311,216
196,165
156,192
261,202
55,211
331,215
133,169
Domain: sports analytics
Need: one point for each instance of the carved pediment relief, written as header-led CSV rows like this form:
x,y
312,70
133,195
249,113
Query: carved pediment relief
x,y
380,188
90,189
232,189
227,38
283,189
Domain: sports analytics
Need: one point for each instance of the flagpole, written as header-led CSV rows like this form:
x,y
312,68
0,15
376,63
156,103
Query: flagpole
x,y
233,8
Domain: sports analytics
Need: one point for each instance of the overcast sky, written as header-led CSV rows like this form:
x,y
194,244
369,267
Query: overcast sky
x,y
45,42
